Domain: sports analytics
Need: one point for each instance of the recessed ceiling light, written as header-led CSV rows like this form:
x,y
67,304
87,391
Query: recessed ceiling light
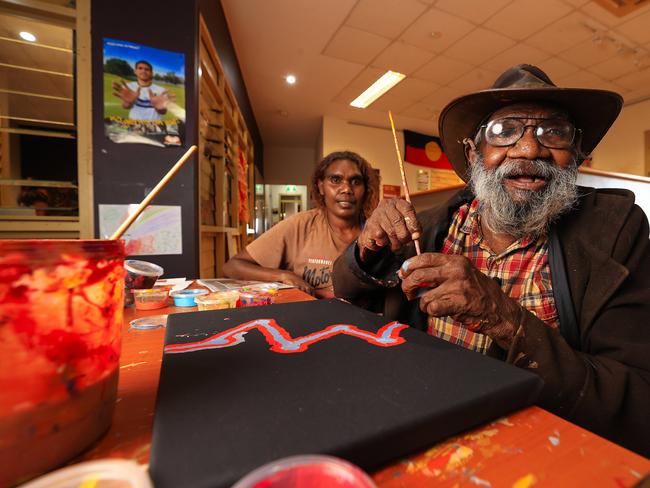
x,y
290,79
28,36
387,81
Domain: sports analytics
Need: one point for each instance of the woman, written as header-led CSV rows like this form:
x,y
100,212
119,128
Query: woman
x,y
300,250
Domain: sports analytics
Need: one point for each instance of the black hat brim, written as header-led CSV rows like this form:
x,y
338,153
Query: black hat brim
x,y
592,111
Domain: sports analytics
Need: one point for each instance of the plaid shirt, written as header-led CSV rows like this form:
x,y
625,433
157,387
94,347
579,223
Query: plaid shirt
x,y
522,270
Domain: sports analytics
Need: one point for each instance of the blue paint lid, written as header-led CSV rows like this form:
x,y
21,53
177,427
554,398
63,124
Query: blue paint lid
x,y
185,298
195,292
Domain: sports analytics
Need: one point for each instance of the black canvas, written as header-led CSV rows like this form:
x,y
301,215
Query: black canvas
x,y
222,412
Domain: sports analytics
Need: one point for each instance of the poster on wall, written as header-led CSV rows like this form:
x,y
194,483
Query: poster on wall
x,y
391,191
156,231
144,94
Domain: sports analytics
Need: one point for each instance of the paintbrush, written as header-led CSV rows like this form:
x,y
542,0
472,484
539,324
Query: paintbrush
x,y
147,200
403,174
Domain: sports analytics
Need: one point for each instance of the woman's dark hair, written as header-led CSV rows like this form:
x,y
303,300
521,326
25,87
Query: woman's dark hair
x,y
370,180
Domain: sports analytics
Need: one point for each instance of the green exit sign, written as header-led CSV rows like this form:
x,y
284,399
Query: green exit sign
x,y
259,189
291,189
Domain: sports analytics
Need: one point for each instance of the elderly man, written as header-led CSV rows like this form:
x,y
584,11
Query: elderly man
x,y
522,264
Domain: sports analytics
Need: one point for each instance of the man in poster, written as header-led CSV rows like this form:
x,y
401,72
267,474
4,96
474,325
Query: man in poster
x,y
145,100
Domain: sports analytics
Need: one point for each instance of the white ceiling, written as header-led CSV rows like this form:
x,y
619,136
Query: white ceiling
x,y
336,48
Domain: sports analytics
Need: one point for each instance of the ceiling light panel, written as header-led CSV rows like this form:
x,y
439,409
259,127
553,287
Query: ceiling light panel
x,y
387,81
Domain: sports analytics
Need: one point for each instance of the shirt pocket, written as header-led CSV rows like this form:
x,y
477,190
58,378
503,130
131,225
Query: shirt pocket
x,y
541,302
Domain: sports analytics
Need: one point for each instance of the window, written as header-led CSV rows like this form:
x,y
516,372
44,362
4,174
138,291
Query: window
x,y
38,146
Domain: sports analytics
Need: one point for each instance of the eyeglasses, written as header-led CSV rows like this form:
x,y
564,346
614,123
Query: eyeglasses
x,y
552,133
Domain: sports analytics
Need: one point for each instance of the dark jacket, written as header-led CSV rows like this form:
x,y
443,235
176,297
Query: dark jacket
x,y
596,367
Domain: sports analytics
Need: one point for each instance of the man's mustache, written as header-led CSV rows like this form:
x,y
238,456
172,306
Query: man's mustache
x,y
538,168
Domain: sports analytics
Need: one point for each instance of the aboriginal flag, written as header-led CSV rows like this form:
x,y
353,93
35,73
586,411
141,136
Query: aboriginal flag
x,y
424,150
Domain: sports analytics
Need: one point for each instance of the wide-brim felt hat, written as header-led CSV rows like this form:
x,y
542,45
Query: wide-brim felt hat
x,y
592,111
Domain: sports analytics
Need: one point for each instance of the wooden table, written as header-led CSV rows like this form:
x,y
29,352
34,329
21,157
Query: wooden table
x,y
529,448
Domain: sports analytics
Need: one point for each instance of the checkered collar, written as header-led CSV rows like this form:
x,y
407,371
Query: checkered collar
x,y
472,227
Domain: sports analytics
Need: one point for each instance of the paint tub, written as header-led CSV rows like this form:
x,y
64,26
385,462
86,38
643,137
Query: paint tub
x,y
217,300
139,275
270,288
255,298
186,298
151,298
60,342
313,471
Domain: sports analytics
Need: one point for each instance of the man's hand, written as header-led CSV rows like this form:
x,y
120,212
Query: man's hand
x,y
289,278
124,93
449,285
160,101
393,223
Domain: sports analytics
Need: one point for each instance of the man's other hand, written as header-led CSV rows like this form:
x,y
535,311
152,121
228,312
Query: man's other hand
x,y
449,285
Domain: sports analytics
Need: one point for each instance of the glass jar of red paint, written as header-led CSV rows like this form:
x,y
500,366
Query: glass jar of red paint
x,y
61,306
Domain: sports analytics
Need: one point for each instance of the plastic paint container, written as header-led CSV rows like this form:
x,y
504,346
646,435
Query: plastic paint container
x,y
139,275
186,298
269,288
310,471
218,300
151,298
255,298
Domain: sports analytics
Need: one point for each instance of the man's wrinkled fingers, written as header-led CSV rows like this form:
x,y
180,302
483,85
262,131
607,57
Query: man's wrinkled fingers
x,y
379,235
418,279
395,231
410,217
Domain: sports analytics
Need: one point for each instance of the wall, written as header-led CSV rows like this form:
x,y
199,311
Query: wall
x,y
288,165
125,173
641,189
374,144
215,20
623,148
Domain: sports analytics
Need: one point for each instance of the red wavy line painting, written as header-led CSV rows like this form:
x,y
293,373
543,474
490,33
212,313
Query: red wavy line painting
x,y
281,342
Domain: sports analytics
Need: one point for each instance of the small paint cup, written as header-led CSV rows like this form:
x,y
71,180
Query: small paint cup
x,y
270,288
187,298
151,298
139,275
218,300
255,298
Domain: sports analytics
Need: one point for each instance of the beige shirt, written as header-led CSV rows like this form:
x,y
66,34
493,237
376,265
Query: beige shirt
x,y
305,244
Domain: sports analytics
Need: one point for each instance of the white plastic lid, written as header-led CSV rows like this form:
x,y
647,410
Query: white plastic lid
x,y
114,473
149,322
143,267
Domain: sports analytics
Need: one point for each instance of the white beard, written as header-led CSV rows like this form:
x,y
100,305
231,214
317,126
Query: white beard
x,y
533,212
